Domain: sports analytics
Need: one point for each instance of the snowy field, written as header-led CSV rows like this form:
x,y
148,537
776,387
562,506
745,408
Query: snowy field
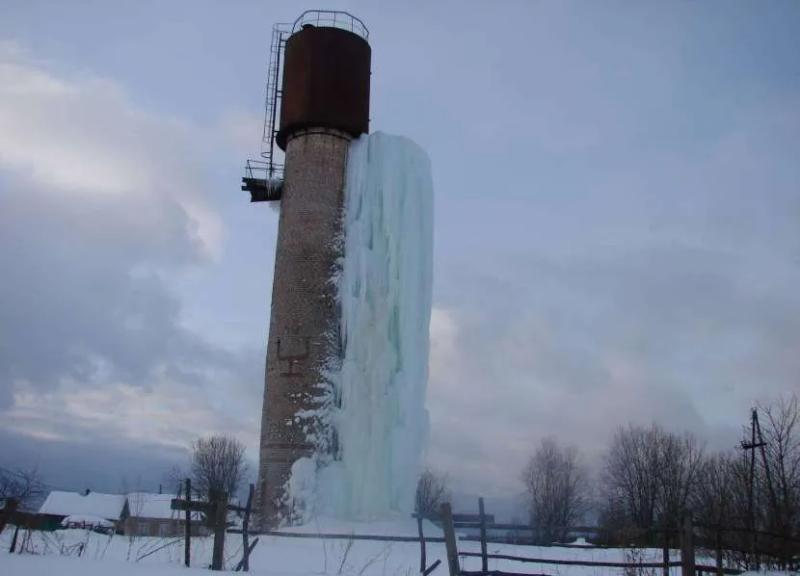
x,y
50,553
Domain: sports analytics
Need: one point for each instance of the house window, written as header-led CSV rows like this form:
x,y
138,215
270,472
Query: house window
x,y
142,529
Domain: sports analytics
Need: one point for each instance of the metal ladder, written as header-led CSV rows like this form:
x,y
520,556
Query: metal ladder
x,y
280,32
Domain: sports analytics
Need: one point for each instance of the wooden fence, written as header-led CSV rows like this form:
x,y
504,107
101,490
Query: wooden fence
x,y
711,540
687,563
734,549
216,512
685,535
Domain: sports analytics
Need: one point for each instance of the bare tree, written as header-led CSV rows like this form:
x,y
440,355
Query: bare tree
x,y
680,459
432,490
654,477
556,487
782,437
720,499
631,477
218,465
650,475
23,486
714,501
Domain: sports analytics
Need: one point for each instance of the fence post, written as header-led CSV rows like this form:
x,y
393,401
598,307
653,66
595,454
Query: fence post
x,y
14,540
245,529
423,561
756,554
220,500
665,553
784,554
484,558
450,539
687,547
8,512
187,547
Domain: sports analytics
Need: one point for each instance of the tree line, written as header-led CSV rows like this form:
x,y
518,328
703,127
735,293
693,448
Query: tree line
x,y
651,478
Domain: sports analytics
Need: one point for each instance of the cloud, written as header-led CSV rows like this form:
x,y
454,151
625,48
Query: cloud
x,y
101,462
81,140
168,414
102,205
627,249
575,347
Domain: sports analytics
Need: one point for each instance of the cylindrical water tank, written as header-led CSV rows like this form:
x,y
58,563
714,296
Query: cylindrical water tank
x,y
325,82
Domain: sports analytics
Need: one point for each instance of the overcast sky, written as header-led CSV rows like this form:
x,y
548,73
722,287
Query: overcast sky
x,y
617,231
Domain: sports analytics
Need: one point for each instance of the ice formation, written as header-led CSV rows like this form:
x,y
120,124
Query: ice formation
x,y
384,288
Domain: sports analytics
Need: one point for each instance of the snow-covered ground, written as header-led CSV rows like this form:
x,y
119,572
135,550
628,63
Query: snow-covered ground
x,y
28,565
14,565
51,553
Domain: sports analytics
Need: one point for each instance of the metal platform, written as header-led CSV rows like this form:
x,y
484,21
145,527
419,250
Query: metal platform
x,y
262,186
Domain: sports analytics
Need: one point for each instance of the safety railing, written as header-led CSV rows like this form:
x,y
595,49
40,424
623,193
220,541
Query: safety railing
x,y
331,19
257,169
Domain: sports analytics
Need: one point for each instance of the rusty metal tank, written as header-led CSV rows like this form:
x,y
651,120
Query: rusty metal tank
x,y
325,81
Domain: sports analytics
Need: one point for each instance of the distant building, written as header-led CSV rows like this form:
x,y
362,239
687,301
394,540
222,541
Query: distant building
x,y
82,510
148,514
134,514
472,518
494,532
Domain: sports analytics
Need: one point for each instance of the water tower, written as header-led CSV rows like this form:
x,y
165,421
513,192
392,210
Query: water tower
x,y
318,88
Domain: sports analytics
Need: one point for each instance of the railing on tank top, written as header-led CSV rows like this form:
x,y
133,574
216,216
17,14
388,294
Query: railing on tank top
x,y
271,167
331,19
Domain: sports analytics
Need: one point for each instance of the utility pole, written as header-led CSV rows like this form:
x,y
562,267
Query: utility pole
x,y
751,514
751,447
757,443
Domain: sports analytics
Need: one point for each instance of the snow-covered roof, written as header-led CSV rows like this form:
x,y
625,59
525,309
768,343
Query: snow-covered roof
x,y
108,506
87,521
147,505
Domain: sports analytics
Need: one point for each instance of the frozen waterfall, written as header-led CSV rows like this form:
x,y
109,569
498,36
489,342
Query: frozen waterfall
x,y
384,287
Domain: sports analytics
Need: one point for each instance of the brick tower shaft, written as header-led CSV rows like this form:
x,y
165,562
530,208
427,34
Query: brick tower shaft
x,y
303,333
